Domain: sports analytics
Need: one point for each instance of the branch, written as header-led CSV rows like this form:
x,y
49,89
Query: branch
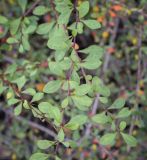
x,y
111,44
139,76
30,123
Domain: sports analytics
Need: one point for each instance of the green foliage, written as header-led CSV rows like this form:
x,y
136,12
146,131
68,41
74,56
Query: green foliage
x,y
44,144
39,156
83,9
108,139
40,10
92,24
130,140
60,79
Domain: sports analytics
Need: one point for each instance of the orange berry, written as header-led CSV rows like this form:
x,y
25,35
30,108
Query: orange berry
x,y
86,154
80,149
79,2
95,141
140,92
145,22
117,7
96,8
110,50
112,14
47,18
105,34
76,46
68,151
12,2
134,133
134,41
118,143
13,157
100,19
136,57
94,147
40,86
141,83
44,64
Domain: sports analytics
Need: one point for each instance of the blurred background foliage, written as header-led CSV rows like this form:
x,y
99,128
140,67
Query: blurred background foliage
x,y
124,37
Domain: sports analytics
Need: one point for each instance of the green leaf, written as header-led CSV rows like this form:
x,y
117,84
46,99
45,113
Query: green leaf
x,y
40,10
36,112
55,114
80,27
39,156
76,28
2,88
55,68
108,139
92,24
82,101
125,112
92,61
21,49
29,91
23,4
59,55
13,101
44,144
64,103
80,119
31,28
26,104
38,96
103,100
96,82
45,28
64,16
130,140
93,50
82,89
18,109
91,65
11,69
118,103
122,125
58,40
65,64
3,20
57,158
20,81
25,42
51,111
83,9
66,144
76,121
100,118
103,90
44,107
12,40
67,83
14,25
60,136
72,126
52,86
144,49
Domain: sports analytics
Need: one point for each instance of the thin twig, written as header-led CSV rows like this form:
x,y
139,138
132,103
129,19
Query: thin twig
x,y
111,44
30,123
139,76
